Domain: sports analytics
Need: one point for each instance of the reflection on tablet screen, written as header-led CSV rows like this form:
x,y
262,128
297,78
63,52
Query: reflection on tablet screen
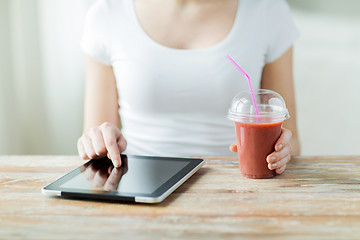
x,y
136,175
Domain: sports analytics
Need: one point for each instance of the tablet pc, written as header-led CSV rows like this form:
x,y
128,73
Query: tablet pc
x,y
139,179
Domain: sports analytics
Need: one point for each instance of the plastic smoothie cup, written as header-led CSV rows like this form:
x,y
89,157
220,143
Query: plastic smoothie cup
x,y
256,134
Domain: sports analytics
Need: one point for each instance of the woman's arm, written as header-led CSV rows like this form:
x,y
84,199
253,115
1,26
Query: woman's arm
x,y
278,76
102,136
101,98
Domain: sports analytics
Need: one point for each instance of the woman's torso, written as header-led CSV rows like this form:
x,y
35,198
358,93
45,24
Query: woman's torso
x,y
173,101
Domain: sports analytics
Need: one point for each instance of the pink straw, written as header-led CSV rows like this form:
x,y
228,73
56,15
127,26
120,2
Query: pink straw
x,y
249,82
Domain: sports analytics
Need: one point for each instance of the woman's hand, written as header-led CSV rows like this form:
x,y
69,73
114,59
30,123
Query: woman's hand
x,y
278,159
101,141
282,155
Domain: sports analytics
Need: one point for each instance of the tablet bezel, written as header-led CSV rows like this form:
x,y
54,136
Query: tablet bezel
x,y
156,196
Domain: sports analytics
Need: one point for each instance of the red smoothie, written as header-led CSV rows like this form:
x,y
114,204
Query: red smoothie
x,y
255,141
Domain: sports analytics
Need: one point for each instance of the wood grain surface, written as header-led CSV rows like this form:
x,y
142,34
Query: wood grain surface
x,y
316,198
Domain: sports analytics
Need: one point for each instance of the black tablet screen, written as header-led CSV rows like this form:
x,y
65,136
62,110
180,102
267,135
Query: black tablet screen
x,y
136,175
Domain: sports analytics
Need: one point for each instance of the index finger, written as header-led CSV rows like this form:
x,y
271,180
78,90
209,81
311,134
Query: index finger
x,y
110,139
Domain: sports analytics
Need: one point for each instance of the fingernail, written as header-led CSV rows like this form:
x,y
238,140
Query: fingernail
x,y
116,163
280,146
271,159
274,165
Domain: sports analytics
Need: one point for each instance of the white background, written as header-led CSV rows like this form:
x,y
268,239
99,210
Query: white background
x,y
42,76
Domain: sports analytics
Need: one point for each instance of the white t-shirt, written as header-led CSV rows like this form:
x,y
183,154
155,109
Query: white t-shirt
x,y
174,102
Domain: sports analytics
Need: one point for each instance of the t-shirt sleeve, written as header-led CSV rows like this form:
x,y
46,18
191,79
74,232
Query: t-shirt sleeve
x,y
281,31
94,38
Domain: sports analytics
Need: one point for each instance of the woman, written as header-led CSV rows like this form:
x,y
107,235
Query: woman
x,y
162,65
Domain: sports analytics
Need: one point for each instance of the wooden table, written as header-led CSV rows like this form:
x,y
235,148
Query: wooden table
x,y
316,198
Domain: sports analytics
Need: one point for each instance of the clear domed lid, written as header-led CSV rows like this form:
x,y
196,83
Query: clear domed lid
x,y
270,104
